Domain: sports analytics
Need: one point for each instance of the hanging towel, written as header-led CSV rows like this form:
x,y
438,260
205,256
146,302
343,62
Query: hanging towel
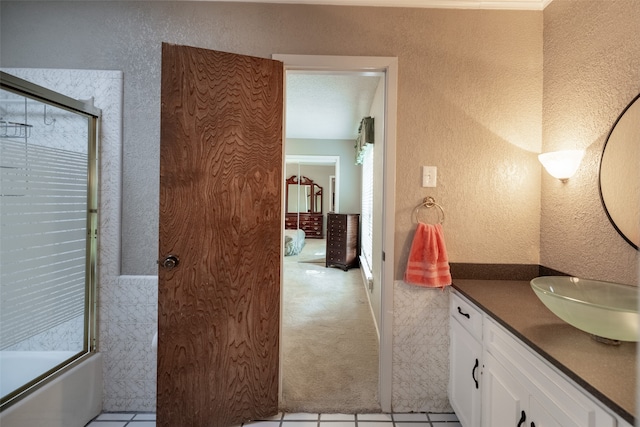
x,y
428,263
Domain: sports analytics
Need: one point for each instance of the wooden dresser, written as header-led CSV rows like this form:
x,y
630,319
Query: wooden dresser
x,y
310,223
342,240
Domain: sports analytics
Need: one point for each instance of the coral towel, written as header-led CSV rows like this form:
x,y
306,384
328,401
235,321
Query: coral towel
x,y
428,263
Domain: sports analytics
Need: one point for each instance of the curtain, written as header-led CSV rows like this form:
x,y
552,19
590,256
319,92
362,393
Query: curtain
x,y
365,136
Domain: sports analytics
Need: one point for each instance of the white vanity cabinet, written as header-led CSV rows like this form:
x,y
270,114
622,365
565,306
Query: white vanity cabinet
x,y
517,387
505,398
520,390
466,361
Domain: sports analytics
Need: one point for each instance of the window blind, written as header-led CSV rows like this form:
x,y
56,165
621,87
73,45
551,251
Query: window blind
x,y
366,215
43,235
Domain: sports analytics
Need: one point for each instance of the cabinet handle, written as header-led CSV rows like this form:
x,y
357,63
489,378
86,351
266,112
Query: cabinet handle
x,y
464,314
523,418
473,374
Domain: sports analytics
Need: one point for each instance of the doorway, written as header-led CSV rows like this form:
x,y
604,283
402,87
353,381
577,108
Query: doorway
x,y
329,346
381,297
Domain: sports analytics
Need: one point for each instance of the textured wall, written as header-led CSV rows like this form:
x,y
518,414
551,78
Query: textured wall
x,y
469,99
591,72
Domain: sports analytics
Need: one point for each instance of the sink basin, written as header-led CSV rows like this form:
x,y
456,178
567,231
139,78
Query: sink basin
x,y
604,309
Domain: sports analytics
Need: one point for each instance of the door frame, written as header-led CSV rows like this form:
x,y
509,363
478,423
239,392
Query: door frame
x,y
389,66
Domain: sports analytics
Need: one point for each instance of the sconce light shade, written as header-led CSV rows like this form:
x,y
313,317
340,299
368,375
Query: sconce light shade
x,y
561,164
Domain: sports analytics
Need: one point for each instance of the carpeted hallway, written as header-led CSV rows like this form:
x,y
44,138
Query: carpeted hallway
x,y
329,342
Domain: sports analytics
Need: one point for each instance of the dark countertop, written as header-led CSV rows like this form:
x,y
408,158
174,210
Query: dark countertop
x,y
607,372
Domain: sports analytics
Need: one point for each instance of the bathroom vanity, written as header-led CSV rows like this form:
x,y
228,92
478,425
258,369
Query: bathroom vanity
x,y
514,363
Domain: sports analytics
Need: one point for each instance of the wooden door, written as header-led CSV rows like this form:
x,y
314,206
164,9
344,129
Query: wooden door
x,y
219,238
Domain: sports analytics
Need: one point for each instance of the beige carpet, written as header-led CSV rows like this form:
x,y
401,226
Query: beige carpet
x,y
330,348
314,251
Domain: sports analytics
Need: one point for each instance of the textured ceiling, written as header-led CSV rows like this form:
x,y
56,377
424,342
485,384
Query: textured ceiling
x,y
328,106
452,4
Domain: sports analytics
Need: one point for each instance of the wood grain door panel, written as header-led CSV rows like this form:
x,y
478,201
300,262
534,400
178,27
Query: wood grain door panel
x,y
220,214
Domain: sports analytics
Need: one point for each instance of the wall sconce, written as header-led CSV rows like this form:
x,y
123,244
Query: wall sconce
x,y
561,164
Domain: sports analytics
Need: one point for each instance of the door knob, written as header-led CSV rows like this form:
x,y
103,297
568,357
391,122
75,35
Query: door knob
x,y
171,262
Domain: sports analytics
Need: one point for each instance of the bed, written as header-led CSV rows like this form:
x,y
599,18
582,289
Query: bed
x,y
293,242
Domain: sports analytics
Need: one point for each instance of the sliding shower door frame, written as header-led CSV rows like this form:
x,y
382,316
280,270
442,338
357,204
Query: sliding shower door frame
x,y
84,108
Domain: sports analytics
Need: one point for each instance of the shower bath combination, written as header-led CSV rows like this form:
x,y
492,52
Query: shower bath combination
x,y
48,252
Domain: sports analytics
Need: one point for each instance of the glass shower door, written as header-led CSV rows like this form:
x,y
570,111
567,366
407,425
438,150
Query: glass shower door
x,y
47,236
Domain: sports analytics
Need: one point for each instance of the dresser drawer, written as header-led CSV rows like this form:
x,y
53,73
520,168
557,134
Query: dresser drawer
x,y
336,254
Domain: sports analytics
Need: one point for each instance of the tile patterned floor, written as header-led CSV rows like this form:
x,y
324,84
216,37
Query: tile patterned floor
x,y
122,419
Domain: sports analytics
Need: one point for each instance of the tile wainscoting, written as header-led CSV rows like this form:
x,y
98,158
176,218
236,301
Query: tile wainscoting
x,y
420,353
129,319
420,349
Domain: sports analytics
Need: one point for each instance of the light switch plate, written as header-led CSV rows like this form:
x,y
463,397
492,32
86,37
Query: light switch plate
x,y
429,176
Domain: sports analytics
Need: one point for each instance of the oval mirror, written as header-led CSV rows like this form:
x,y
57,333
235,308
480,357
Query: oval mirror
x,y
620,174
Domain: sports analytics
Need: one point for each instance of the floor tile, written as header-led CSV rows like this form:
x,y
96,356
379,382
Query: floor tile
x,y
374,417
337,417
263,424
299,423
301,419
116,416
375,423
443,417
144,417
107,424
338,424
410,417
301,416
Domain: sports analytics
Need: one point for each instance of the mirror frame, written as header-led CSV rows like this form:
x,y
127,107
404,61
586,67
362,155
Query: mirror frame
x,y
604,205
315,191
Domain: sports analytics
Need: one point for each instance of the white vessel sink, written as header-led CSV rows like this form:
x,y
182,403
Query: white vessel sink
x,y
604,309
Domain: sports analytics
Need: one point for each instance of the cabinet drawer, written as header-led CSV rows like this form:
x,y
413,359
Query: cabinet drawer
x,y
467,314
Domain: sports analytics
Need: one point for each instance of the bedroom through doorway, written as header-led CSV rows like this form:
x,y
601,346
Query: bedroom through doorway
x,y
330,345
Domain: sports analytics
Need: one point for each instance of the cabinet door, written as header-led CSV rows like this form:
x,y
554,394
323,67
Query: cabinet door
x,y
541,416
504,400
464,381
552,400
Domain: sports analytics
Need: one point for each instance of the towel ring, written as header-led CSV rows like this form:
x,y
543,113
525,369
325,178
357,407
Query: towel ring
x,y
428,202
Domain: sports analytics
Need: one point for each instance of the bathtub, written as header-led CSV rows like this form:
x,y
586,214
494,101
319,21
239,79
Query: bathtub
x,y
71,399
